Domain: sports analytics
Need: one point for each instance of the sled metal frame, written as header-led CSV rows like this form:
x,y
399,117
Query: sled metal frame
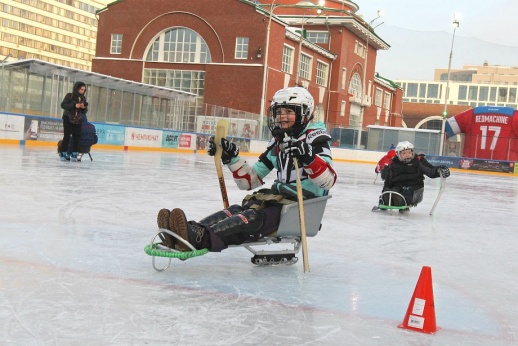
x,y
287,233
393,207
85,153
289,227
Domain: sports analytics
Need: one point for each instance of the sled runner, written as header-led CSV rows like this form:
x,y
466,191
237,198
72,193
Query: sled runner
x,y
287,233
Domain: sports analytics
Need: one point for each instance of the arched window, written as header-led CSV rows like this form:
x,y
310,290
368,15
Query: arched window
x,y
179,45
355,85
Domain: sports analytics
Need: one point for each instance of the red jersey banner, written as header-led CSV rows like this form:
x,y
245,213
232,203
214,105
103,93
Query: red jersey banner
x,y
489,132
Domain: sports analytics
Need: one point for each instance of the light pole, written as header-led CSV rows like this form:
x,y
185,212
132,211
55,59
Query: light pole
x,y
300,51
455,24
273,6
320,5
364,95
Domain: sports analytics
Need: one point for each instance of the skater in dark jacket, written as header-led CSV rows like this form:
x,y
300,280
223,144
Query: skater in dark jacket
x,y
74,106
295,137
405,175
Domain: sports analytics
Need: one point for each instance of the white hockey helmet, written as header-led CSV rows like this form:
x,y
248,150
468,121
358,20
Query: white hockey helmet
x,y
296,98
404,146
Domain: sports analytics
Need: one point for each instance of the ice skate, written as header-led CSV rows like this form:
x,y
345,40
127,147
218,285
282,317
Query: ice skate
x,y
79,156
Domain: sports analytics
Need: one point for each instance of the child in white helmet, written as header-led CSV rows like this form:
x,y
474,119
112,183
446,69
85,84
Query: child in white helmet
x,y
405,175
295,137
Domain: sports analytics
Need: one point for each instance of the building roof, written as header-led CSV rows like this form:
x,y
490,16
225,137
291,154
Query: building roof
x,y
93,78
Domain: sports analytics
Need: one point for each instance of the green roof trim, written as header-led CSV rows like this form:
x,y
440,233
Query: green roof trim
x,y
392,83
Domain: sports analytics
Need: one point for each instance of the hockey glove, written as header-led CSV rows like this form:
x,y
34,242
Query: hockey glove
x,y
443,171
299,149
229,150
212,147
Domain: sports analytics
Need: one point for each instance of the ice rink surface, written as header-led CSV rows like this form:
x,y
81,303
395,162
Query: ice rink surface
x,y
73,270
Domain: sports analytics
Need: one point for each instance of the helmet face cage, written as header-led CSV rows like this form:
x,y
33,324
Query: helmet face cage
x,y
404,146
301,120
297,99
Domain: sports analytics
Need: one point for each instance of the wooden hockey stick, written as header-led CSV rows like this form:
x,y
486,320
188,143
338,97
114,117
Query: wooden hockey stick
x,y
221,132
303,237
302,219
441,189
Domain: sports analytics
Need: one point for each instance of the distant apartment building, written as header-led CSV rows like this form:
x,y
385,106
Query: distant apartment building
x,y
472,86
481,74
62,32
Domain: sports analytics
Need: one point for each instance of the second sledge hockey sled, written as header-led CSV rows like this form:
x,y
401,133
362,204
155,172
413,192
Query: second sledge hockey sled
x,y
390,195
287,233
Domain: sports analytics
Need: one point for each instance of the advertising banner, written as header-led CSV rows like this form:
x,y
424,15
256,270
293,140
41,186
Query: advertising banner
x,y
186,141
475,164
245,128
452,162
170,139
143,137
11,126
43,129
488,165
202,143
110,134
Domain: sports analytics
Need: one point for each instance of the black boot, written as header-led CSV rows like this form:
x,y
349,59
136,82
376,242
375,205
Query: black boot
x,y
221,215
195,233
162,221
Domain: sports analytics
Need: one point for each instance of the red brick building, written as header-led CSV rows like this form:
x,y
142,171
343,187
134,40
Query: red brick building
x,y
238,53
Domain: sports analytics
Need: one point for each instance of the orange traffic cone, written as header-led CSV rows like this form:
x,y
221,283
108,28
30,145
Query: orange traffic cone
x,y
420,315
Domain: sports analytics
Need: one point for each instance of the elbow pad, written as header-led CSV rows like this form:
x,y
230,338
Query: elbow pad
x,y
321,173
244,175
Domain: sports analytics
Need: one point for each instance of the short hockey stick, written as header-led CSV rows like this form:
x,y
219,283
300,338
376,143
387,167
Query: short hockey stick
x,y
441,189
221,132
376,178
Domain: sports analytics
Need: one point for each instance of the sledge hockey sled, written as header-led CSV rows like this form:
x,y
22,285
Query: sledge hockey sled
x,y
400,200
287,233
390,206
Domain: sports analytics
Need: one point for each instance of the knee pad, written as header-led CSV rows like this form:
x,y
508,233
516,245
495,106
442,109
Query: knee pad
x,y
234,209
221,215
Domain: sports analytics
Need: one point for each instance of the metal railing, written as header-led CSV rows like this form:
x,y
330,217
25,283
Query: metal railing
x,y
37,88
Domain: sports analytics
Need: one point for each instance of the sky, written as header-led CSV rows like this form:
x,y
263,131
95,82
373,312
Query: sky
x,y
420,34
